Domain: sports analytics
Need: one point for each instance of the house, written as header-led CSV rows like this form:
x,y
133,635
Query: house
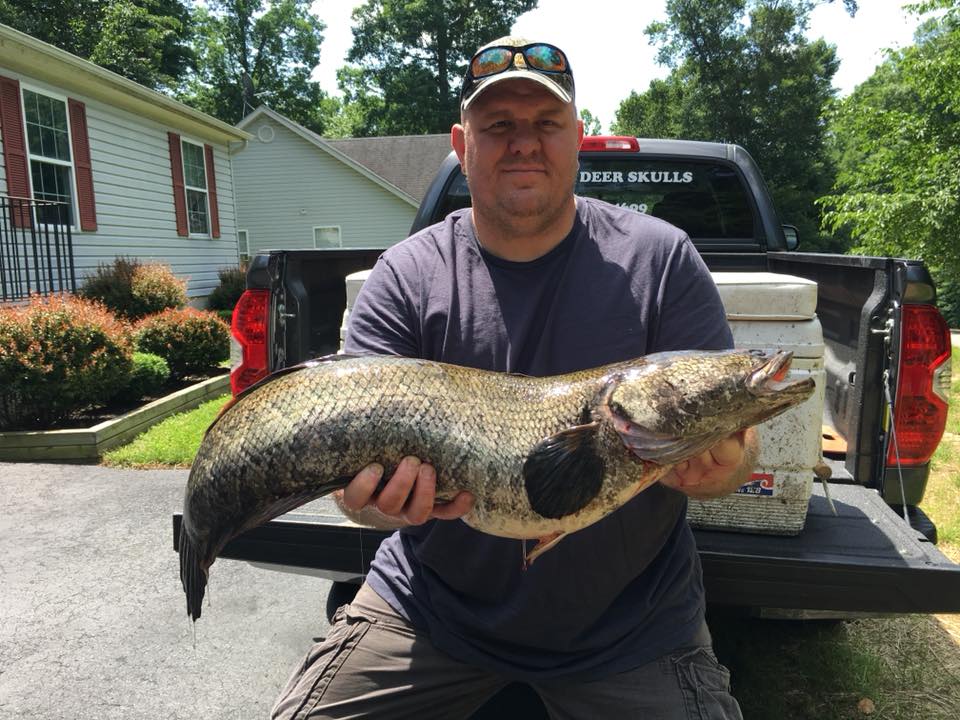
x,y
95,166
297,190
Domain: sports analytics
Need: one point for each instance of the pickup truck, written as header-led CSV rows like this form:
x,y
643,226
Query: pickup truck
x,y
885,373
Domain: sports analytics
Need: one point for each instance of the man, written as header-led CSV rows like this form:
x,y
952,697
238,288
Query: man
x,y
609,623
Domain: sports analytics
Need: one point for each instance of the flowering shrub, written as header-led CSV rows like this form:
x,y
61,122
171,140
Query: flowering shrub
x,y
132,290
58,355
233,281
189,340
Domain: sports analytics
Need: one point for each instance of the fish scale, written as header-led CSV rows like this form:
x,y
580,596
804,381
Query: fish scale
x,y
543,457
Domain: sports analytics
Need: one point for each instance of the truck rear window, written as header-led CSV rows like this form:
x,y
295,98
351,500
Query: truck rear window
x,y
706,199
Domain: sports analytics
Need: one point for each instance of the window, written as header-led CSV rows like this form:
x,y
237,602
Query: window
x,y
327,236
243,245
195,185
48,151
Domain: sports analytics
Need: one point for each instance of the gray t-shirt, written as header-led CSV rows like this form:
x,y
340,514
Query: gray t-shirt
x,y
623,591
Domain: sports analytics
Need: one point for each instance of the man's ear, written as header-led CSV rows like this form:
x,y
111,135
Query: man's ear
x,y
458,143
579,132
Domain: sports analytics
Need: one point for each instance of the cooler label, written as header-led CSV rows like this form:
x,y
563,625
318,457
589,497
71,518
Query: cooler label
x,y
760,484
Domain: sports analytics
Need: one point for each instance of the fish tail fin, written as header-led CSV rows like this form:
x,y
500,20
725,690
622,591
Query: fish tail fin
x,y
192,576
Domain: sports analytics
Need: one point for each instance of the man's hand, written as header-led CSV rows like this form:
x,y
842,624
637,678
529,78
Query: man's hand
x,y
717,471
408,498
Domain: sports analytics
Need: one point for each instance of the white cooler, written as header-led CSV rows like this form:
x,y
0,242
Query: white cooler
x,y
767,310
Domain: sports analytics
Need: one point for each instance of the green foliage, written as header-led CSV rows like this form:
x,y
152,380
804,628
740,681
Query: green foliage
x,y
897,143
58,355
410,58
190,340
233,281
251,52
147,377
760,84
144,40
591,124
132,290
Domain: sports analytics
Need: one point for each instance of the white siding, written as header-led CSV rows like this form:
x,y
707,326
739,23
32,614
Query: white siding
x,y
134,198
288,186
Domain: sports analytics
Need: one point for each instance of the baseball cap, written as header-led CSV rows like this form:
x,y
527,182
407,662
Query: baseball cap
x,y
511,58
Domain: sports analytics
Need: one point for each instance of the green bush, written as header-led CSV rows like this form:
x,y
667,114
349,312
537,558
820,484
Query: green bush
x,y
948,297
190,340
233,281
149,374
132,290
58,355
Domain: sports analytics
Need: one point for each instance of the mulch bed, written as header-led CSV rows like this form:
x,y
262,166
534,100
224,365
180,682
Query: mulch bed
x,y
94,415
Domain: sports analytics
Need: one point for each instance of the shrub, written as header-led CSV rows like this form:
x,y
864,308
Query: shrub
x,y
233,281
155,288
58,355
132,290
149,374
189,340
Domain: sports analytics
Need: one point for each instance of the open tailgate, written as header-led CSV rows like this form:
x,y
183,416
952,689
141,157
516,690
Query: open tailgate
x,y
864,559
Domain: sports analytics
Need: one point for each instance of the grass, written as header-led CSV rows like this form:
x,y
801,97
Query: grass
x,y
899,668
170,443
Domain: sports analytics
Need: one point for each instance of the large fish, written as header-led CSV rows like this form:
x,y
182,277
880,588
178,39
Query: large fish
x,y
543,456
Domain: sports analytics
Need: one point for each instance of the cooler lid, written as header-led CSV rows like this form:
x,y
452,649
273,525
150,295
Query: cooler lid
x,y
766,296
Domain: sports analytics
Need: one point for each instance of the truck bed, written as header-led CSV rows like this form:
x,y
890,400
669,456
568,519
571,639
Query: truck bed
x,y
863,559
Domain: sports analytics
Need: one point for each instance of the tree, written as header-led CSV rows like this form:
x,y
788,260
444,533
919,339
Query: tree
x,y
897,143
144,40
591,124
410,58
759,83
251,52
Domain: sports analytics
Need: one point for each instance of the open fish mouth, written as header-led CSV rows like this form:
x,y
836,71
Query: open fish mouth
x,y
769,378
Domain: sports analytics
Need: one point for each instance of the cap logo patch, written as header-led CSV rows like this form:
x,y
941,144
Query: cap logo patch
x,y
518,61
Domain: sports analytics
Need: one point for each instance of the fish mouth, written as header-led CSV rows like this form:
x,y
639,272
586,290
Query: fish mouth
x,y
768,379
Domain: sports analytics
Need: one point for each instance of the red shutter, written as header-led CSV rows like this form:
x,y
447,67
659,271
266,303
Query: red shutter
x,y
87,209
179,194
14,148
212,192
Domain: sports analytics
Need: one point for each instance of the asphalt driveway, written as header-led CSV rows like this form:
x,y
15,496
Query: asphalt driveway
x,y
92,616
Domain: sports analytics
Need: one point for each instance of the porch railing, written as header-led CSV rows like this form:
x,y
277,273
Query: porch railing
x,y
36,248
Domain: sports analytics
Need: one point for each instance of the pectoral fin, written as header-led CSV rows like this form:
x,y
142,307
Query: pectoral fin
x,y
564,472
665,449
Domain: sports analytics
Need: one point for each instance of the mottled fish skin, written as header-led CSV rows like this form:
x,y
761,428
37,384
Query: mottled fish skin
x,y
540,455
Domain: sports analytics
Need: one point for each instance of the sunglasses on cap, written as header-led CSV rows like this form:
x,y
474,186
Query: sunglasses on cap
x,y
543,58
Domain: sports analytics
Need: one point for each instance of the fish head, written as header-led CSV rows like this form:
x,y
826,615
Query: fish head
x,y
680,403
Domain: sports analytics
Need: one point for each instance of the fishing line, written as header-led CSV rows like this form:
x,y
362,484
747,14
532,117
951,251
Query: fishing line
x,y
896,449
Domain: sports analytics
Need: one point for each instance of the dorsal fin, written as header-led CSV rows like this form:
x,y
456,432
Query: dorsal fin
x,y
273,376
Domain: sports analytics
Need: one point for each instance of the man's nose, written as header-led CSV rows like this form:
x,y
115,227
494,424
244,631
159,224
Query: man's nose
x,y
525,140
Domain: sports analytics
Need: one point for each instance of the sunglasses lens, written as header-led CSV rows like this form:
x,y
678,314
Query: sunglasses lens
x,y
491,61
545,57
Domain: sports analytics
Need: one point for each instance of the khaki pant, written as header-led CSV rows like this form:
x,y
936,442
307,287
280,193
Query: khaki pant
x,y
373,664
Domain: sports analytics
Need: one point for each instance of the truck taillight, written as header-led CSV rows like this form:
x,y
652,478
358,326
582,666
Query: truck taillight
x,y
610,143
923,383
249,327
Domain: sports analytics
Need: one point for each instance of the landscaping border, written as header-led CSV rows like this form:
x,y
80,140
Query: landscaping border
x,y
88,444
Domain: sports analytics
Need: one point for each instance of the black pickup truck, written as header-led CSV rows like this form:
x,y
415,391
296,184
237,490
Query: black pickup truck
x,y
885,344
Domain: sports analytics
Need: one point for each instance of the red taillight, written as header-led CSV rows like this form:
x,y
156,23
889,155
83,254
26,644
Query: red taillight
x,y
610,143
249,327
920,407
